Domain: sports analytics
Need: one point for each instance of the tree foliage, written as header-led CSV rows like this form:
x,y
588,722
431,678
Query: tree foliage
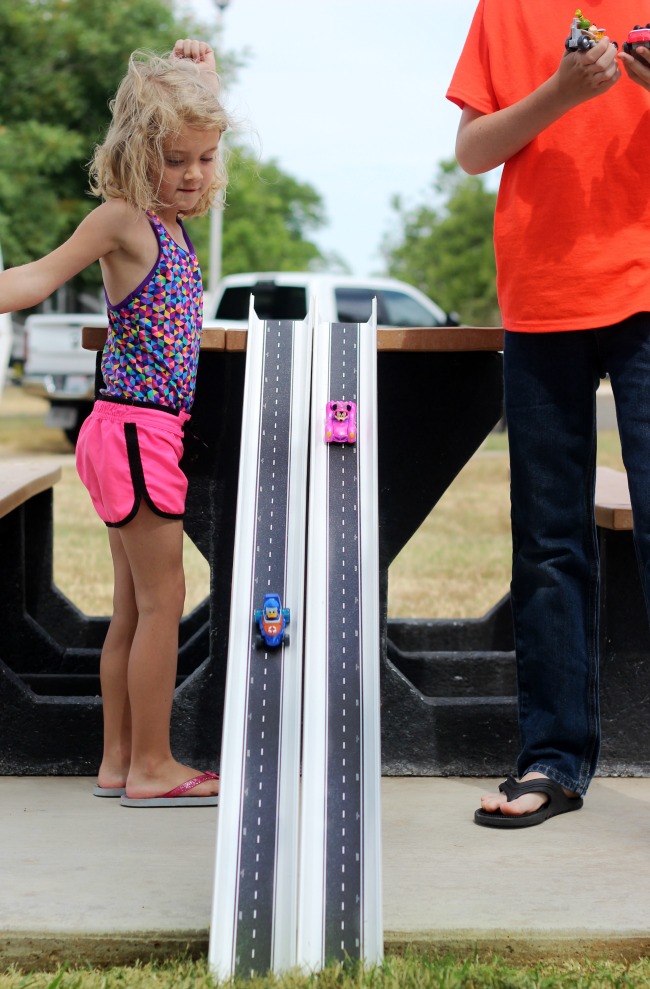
x,y
447,250
268,216
267,219
62,62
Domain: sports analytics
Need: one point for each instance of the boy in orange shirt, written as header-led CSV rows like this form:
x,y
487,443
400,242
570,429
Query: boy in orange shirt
x,y
572,241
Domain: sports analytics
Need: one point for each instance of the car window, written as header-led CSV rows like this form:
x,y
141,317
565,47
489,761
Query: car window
x,y
234,303
402,310
394,308
271,301
354,305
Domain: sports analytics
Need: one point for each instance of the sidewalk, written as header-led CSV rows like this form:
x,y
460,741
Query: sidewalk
x,y
85,879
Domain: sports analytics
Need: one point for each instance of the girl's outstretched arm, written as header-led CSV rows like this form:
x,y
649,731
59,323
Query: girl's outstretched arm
x,y
100,233
201,53
486,140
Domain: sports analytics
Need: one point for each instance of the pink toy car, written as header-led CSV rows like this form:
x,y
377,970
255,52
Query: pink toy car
x,y
341,422
639,37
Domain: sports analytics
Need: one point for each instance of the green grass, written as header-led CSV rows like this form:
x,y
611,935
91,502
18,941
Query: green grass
x,y
456,566
412,971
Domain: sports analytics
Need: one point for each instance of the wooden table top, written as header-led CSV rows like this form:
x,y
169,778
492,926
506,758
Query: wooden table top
x,y
422,339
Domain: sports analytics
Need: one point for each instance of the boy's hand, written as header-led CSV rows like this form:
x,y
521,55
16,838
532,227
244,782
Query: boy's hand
x,y
638,72
583,75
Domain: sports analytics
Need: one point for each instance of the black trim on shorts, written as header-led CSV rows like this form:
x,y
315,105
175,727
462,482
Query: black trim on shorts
x,y
137,477
118,400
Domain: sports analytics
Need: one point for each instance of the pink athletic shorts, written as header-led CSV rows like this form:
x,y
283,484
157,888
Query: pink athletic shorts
x,y
127,453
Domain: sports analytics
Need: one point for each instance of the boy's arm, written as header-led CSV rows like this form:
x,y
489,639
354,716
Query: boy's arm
x,y
201,53
28,284
486,140
638,72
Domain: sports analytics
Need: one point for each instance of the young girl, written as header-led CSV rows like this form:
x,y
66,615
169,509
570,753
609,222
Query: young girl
x,y
158,163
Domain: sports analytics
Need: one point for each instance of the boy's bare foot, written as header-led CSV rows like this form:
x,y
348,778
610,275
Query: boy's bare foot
x,y
526,804
532,800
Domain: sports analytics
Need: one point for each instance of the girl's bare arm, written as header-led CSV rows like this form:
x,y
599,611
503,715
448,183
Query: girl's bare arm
x,y
486,140
100,233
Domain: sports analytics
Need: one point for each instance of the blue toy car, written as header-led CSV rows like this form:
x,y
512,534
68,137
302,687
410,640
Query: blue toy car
x,y
272,620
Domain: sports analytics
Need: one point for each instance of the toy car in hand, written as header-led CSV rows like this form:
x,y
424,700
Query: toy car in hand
x,y
639,37
341,422
272,620
584,34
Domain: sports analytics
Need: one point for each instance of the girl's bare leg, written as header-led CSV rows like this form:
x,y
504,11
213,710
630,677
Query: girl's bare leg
x,y
113,671
154,549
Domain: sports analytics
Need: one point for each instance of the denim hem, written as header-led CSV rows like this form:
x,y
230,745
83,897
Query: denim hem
x,y
580,787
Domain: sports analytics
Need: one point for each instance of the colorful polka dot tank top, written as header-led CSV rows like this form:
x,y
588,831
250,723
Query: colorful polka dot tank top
x,y
154,335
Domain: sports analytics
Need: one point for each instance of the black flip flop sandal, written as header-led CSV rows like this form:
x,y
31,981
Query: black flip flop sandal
x,y
557,803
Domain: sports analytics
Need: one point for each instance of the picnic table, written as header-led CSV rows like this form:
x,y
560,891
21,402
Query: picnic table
x,y
439,395
448,687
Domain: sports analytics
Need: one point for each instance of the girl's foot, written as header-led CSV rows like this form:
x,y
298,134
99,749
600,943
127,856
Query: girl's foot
x,y
112,773
167,776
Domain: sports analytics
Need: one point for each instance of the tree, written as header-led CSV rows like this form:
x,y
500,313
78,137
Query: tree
x,y
268,217
62,62
447,250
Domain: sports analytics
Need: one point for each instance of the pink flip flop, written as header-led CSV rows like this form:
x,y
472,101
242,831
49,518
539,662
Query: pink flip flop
x,y
176,797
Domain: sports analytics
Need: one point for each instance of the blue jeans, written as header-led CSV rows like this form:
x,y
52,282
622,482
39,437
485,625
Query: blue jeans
x,y
550,399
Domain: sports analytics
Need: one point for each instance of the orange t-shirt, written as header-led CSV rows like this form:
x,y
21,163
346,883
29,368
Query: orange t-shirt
x,y
572,223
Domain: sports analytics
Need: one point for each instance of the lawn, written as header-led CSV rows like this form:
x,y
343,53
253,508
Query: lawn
x,y
458,563
414,971
456,566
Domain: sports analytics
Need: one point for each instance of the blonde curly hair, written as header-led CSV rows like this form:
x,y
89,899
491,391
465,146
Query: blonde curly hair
x,y
158,96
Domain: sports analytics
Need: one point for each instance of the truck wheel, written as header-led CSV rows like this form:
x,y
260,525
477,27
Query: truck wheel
x,y
73,434
83,410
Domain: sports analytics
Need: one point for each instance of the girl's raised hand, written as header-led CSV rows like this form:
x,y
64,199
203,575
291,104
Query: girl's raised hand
x,y
199,51
201,54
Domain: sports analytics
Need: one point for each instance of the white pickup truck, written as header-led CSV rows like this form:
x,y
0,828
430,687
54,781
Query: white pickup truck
x,y
59,369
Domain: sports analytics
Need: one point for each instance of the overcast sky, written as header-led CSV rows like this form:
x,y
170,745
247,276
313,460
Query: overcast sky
x,y
348,95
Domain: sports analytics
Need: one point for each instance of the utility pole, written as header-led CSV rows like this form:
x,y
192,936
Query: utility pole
x,y
216,213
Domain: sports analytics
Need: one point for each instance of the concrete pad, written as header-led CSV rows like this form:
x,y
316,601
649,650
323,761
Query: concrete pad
x,y
83,878
577,884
